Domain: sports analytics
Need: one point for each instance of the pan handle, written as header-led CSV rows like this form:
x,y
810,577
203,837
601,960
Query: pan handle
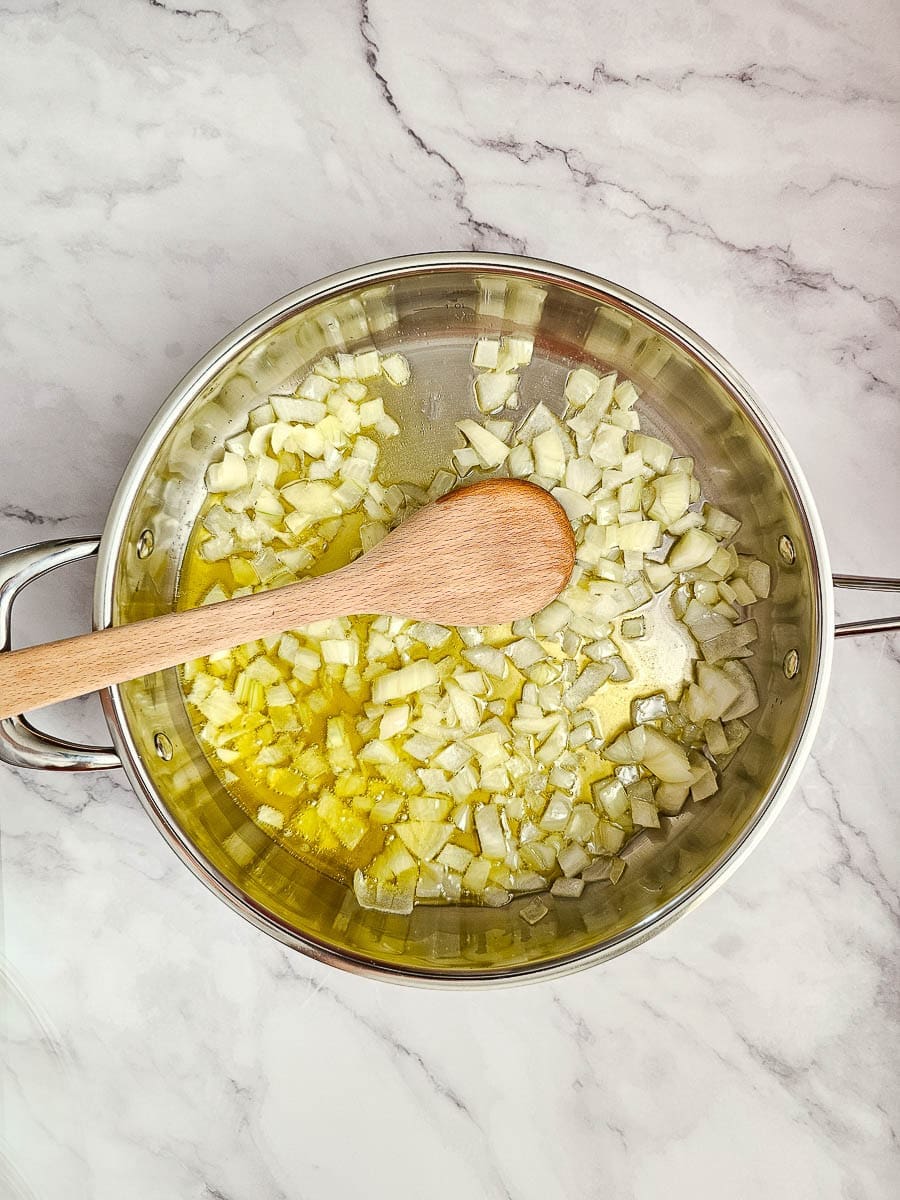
x,y
866,583
21,745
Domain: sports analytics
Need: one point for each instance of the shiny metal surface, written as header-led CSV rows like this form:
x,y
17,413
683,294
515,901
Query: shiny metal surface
x,y
431,307
21,744
867,583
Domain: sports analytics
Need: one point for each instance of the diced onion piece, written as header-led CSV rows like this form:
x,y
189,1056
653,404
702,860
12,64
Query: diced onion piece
x,y
396,368
589,418
367,364
313,387
395,685
611,795
582,823
488,659
300,411
394,721
655,453
670,797
465,459
626,394
520,461
520,349
215,549
730,642
524,652
499,428
592,677
719,523
490,450
607,446
220,707
455,858
429,634
673,495
239,444
340,650
692,549
716,739
490,833
493,389
742,592
638,535
314,498
549,455
552,618
485,353
575,505
572,860
747,700
464,706
581,385
690,520
665,758
387,427
557,814
660,575
424,839
704,783
279,695
582,475
227,475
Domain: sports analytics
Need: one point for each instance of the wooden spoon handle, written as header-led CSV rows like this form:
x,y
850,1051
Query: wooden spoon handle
x,y
46,674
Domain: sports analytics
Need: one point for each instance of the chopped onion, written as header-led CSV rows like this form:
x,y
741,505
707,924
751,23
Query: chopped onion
x,y
395,685
494,389
396,368
227,475
549,455
520,349
692,549
575,505
581,386
491,451
458,756
719,523
572,860
485,353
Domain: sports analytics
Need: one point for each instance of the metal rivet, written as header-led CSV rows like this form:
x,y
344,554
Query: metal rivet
x,y
163,747
791,664
145,544
786,550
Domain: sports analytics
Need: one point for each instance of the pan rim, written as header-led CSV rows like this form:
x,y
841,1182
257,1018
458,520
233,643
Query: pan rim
x,y
381,271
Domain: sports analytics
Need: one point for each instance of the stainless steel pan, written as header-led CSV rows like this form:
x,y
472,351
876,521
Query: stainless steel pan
x,y
431,307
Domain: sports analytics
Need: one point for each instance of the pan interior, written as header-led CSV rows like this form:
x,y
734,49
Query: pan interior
x,y
432,315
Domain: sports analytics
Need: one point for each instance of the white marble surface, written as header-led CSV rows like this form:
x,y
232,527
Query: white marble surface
x,y
168,170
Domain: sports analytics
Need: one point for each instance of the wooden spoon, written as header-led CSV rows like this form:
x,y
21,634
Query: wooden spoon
x,y
484,554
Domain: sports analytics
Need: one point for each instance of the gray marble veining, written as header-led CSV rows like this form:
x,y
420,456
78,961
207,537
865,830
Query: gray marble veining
x,y
167,171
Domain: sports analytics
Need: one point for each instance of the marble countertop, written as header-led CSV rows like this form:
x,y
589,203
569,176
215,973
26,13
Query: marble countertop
x,y
168,170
